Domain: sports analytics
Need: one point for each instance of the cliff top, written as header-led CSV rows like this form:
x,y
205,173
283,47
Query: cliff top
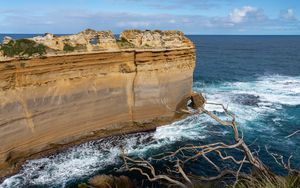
x,y
92,41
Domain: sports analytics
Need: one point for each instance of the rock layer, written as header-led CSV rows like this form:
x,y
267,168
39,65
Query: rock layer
x,y
61,100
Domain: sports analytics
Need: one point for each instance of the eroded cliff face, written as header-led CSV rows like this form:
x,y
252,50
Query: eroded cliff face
x,y
60,100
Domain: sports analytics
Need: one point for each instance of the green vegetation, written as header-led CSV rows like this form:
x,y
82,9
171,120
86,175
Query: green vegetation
x,y
123,43
80,47
68,48
147,46
22,47
260,181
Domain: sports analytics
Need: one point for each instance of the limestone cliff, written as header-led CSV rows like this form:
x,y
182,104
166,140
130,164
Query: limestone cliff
x,y
106,87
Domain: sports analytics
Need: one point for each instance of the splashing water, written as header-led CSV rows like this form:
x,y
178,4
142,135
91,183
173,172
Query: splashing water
x,y
260,111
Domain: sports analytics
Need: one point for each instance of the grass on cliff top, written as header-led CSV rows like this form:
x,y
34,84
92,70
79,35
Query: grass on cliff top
x,y
123,43
22,47
68,48
79,47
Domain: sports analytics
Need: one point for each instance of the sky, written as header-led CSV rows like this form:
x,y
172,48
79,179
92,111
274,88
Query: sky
x,y
233,17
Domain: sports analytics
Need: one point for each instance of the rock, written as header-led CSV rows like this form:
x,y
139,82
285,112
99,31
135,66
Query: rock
x,y
132,36
156,39
49,36
109,181
175,39
91,40
87,40
107,40
92,95
6,40
197,100
246,99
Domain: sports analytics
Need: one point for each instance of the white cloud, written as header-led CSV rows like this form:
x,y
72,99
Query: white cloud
x,y
288,14
131,24
172,21
239,15
247,19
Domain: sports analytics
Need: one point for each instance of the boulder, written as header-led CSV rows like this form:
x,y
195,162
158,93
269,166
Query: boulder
x,y
6,40
197,100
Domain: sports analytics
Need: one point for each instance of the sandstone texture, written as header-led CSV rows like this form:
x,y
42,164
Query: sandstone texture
x,y
105,87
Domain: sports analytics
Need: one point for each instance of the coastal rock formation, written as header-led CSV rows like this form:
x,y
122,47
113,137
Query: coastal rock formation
x,y
156,39
6,40
86,41
56,101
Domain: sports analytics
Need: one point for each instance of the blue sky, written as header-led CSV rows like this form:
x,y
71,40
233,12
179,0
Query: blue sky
x,y
190,16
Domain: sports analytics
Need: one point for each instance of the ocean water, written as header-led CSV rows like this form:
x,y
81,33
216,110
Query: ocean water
x,y
257,77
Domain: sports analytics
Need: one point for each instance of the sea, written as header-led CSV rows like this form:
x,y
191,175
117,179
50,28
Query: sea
x,y
256,77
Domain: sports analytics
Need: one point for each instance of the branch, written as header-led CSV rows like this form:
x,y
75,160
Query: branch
x,y
292,134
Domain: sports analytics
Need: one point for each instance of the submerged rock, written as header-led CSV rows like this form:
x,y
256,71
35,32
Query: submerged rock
x,y
247,99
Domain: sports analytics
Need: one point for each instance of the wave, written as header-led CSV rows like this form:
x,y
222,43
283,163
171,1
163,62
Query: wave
x,y
270,89
86,159
250,101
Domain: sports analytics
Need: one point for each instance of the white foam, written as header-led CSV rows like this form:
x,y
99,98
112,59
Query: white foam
x,y
86,159
272,91
275,89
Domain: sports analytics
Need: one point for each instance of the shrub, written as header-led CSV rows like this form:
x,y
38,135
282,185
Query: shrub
x,y
123,43
22,47
78,47
68,48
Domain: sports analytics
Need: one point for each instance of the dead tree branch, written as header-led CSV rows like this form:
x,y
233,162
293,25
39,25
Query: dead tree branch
x,y
192,152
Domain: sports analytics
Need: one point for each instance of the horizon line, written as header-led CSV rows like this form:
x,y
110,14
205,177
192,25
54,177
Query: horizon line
x,y
184,34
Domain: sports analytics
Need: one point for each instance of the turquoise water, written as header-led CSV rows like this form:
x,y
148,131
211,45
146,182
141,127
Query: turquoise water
x,y
258,77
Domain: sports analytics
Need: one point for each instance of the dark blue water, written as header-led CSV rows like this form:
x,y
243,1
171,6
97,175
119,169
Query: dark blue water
x,y
258,77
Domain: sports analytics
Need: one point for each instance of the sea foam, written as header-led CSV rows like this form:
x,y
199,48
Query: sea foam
x,y
87,159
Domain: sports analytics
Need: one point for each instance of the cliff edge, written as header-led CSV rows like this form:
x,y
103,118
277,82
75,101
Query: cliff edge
x,y
57,91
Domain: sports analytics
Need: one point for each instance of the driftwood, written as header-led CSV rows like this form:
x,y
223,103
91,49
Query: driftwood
x,y
179,178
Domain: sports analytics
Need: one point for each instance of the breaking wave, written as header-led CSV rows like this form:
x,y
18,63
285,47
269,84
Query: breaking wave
x,y
251,101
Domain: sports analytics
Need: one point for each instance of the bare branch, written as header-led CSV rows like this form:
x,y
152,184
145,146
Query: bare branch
x,y
290,135
192,152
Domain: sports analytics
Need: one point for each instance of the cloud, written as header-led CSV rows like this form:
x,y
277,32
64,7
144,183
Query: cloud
x,y
245,20
178,4
288,14
239,15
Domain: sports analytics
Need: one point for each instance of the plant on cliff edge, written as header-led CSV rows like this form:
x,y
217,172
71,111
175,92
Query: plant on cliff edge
x,y
68,48
123,43
78,47
22,47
